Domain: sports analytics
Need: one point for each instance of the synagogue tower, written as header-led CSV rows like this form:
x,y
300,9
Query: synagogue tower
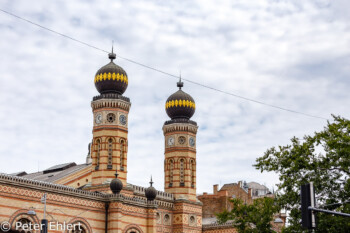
x,y
110,128
180,146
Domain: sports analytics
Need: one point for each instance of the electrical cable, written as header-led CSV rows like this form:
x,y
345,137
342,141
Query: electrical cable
x,y
163,72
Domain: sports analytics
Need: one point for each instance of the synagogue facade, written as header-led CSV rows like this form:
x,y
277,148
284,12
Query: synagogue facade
x,y
96,196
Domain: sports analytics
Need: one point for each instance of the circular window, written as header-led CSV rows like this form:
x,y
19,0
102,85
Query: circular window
x,y
191,141
122,119
182,140
110,117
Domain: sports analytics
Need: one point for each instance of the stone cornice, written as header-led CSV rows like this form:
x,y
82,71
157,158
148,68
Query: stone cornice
x,y
167,128
180,120
111,96
198,203
49,187
110,103
136,201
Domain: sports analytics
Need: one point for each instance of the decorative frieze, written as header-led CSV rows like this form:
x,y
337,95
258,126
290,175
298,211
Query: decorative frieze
x,y
175,127
110,103
9,184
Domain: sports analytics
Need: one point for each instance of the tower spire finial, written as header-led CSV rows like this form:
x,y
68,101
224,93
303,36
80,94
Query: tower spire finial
x,y
116,173
151,182
112,55
179,83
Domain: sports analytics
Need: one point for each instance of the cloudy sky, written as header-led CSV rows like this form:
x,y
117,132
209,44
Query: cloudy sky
x,y
293,54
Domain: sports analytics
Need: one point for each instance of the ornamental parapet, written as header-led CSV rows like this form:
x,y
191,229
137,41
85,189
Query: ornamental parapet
x,y
139,190
47,187
163,199
134,200
111,96
176,125
104,102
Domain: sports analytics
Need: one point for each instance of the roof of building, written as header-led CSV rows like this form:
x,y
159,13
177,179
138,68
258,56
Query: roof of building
x,y
55,172
226,186
21,173
255,185
62,170
278,220
59,167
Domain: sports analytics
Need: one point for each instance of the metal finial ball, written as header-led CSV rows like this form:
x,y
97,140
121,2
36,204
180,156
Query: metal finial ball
x,y
112,56
180,84
151,192
116,185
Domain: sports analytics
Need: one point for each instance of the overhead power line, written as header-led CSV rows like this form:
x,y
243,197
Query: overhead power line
x,y
161,71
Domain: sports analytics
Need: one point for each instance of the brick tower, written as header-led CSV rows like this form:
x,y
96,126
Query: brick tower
x,y
180,146
110,130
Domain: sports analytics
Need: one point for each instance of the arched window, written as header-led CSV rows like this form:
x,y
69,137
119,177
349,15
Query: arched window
x,y
98,151
166,219
132,228
122,154
78,227
171,172
22,225
110,153
182,172
193,167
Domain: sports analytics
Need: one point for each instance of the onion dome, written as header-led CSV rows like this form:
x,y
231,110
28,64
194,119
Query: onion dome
x,y
116,185
111,78
151,192
180,105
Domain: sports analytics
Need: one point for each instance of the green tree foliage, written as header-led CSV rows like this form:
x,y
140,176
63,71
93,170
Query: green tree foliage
x,y
251,218
324,159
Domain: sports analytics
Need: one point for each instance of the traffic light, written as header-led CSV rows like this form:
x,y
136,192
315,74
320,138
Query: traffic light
x,y
307,199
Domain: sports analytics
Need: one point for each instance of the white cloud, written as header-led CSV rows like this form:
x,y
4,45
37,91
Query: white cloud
x,y
287,53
